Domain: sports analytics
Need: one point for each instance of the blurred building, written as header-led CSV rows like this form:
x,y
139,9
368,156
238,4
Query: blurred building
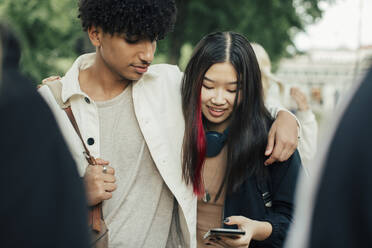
x,y
324,75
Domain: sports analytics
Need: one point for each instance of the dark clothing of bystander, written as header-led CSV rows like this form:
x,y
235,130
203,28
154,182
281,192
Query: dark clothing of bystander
x,y
342,214
42,197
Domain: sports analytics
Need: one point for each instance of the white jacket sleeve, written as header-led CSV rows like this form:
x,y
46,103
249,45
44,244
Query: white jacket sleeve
x,y
309,132
275,109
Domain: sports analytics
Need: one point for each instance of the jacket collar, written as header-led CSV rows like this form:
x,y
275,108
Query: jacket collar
x,y
70,82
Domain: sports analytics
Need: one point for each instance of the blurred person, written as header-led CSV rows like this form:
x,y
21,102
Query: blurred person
x,y
129,113
273,92
309,127
226,132
43,201
335,209
273,88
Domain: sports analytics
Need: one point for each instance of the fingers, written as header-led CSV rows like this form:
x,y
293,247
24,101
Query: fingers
x,y
107,178
106,196
109,170
229,242
98,169
288,147
270,141
214,242
51,78
287,152
295,93
300,99
276,153
100,161
284,131
99,185
109,187
282,152
235,220
293,90
220,241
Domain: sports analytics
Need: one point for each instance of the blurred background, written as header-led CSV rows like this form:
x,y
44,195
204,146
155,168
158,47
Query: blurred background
x,y
320,46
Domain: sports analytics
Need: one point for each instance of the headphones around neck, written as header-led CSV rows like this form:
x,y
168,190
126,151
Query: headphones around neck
x,y
215,142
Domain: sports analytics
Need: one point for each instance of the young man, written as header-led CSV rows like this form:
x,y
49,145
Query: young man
x,y
130,115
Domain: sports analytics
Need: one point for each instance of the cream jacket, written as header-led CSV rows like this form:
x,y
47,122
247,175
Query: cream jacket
x,y
158,108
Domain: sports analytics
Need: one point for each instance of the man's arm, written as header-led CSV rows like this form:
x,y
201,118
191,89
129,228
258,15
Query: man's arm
x,y
283,135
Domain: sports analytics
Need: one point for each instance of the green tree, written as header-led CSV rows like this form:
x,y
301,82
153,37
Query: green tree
x,y
271,23
49,32
52,38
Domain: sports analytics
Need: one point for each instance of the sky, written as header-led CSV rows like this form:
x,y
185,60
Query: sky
x,y
339,26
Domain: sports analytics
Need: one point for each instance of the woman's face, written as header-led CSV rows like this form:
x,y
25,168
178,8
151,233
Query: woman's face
x,y
218,95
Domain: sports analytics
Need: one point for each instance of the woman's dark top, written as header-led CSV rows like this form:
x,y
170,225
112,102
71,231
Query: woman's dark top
x,y
250,199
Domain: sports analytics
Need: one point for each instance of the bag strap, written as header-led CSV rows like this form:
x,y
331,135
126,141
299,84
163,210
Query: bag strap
x,y
263,187
95,214
71,117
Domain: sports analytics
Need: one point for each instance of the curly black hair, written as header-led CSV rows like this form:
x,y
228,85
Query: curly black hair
x,y
149,18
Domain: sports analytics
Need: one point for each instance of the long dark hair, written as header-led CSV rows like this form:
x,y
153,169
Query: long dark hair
x,y
250,120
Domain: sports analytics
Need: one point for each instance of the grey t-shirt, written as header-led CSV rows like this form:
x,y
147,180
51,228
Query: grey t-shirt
x,y
140,211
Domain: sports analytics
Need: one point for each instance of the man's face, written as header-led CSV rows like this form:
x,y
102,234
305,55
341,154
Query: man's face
x,y
126,56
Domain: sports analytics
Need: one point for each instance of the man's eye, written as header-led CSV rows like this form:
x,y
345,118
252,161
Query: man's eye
x,y
131,41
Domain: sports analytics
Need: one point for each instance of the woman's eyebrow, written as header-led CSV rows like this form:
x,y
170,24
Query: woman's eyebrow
x,y
210,80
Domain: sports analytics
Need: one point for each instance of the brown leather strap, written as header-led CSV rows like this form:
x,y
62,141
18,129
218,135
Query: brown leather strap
x,y
71,116
95,214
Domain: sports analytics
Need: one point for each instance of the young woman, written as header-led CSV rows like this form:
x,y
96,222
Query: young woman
x,y
226,133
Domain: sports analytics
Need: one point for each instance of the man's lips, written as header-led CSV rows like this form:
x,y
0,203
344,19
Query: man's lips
x,y
140,69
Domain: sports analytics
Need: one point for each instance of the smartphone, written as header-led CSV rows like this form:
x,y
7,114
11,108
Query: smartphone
x,y
231,233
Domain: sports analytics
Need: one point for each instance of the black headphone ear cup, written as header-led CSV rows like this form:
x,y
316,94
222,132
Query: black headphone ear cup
x,y
225,133
215,142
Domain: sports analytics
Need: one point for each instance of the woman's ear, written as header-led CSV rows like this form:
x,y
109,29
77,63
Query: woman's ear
x,y
95,35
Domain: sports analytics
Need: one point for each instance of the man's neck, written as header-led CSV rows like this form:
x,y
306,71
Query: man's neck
x,y
100,83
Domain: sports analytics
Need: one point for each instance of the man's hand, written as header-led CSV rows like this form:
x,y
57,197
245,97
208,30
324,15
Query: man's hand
x,y
283,138
51,78
99,183
45,80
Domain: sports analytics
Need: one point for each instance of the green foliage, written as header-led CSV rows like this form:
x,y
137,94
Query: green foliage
x,y
272,23
49,32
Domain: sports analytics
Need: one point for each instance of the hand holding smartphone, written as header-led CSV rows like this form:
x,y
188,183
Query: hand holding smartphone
x,y
231,233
